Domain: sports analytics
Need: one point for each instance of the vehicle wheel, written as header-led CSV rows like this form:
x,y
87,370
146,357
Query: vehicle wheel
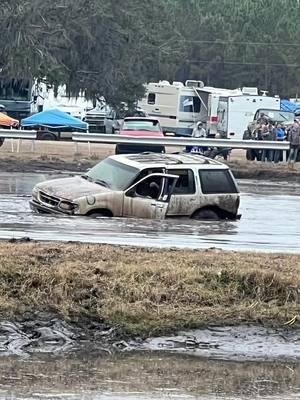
x,y
47,136
97,215
1,141
206,214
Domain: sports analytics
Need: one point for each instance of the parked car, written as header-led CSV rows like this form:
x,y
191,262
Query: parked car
x,y
147,185
115,118
140,127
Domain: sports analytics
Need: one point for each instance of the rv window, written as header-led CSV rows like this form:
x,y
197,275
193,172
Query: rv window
x,y
191,104
151,98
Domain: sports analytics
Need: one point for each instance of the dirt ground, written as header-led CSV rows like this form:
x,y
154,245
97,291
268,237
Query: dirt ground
x,y
47,156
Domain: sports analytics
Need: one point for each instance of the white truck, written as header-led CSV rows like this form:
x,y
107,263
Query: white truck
x,y
223,111
234,113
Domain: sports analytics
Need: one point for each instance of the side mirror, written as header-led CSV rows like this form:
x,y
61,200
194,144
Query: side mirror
x,y
131,193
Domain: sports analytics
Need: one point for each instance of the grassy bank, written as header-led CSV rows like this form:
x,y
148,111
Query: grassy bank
x,y
147,291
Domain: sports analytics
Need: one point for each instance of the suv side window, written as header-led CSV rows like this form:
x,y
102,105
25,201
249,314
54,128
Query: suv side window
x,y
216,181
186,181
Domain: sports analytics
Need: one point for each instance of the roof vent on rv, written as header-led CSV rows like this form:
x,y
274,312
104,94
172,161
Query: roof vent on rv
x,y
178,84
167,83
252,91
264,92
198,84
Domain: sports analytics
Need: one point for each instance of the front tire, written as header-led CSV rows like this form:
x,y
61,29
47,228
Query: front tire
x,y
97,215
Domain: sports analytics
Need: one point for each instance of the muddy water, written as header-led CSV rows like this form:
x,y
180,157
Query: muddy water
x,y
137,377
270,221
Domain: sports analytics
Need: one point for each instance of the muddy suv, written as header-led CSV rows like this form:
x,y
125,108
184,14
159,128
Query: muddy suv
x,y
146,185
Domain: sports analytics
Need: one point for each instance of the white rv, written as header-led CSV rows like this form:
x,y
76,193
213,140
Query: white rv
x,y
177,106
223,111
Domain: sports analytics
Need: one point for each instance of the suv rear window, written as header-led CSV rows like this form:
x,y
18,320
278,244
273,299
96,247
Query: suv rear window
x,y
186,181
217,181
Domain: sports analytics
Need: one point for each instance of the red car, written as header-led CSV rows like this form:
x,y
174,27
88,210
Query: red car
x,y
140,127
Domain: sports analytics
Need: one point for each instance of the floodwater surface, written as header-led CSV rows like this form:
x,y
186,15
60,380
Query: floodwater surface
x,y
270,221
138,376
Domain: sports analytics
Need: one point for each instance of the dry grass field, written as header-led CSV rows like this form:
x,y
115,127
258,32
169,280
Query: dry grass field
x,y
148,291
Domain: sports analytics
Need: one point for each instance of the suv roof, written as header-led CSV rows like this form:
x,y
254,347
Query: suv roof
x,y
142,160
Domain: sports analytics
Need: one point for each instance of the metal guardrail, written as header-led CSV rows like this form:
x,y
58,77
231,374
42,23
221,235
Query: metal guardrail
x,y
18,134
181,141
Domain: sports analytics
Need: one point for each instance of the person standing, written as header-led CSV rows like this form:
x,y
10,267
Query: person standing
x,y
294,139
280,137
268,134
198,132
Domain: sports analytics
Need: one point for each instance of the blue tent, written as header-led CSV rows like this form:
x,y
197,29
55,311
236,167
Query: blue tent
x,y
54,119
286,105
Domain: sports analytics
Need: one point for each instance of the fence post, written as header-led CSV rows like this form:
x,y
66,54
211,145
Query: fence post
x,y
19,142
284,153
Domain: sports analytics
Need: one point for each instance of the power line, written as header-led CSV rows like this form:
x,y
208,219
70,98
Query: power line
x,y
239,43
242,63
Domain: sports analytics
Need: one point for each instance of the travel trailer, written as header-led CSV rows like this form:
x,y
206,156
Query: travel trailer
x,y
225,112
235,112
177,106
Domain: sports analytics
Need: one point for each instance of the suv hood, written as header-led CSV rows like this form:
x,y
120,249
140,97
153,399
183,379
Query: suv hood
x,y
71,188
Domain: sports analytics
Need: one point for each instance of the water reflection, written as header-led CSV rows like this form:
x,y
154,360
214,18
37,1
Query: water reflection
x,y
136,376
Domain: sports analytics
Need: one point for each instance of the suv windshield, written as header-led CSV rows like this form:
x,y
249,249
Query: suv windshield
x,y
141,125
112,174
275,115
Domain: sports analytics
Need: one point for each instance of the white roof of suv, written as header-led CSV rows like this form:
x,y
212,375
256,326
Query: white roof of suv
x,y
181,160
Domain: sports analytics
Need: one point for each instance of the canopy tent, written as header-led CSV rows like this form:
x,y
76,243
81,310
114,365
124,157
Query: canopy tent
x,y
286,105
5,120
54,119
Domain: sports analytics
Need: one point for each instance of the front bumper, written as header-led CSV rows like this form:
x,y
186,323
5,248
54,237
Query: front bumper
x,y
41,208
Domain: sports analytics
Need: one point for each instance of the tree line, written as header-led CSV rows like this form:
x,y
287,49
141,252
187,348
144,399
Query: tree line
x,y
112,47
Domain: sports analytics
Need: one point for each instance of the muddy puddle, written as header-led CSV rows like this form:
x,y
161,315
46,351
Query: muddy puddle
x,y
138,376
52,360
270,221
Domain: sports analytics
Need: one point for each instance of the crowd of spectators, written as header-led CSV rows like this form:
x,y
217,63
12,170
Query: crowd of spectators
x,y
265,129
